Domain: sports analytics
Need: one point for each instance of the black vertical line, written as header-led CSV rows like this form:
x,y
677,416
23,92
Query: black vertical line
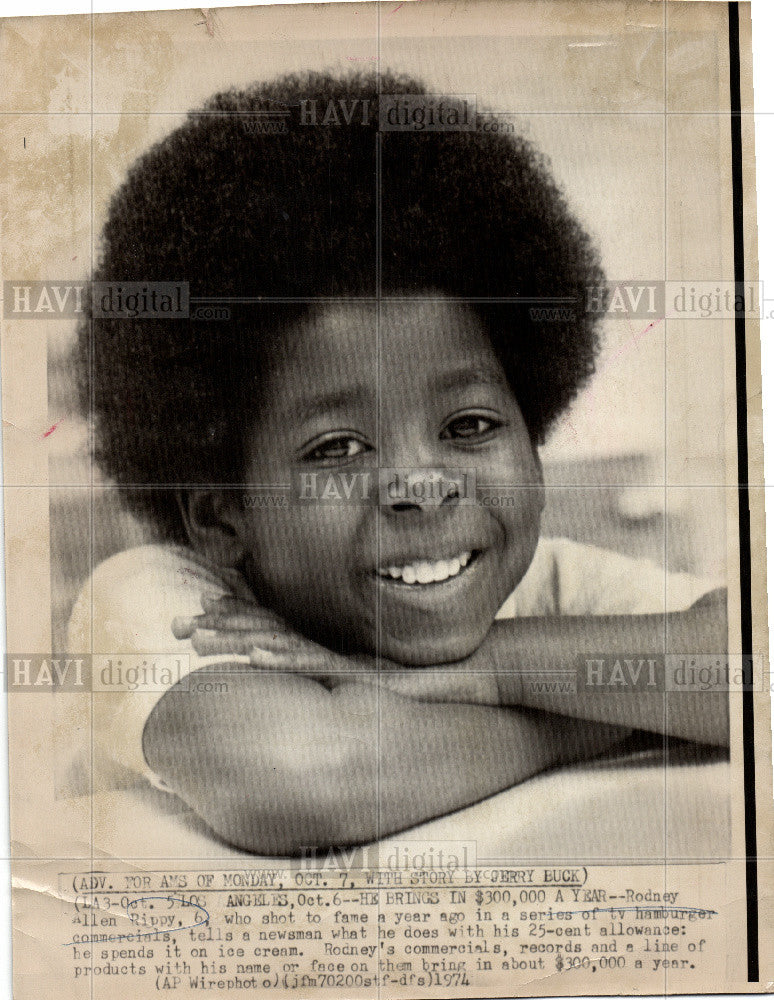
x,y
745,572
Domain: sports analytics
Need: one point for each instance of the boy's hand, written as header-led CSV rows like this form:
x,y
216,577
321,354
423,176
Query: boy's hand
x,y
229,625
229,616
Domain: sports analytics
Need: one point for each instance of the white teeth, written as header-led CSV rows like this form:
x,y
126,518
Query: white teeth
x,y
440,570
428,572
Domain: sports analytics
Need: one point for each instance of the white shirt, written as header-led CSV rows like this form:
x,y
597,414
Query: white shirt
x,y
127,606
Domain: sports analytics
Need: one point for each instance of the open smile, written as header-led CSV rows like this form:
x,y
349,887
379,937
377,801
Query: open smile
x,y
427,573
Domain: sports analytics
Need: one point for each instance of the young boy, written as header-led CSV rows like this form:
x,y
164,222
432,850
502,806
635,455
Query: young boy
x,y
376,284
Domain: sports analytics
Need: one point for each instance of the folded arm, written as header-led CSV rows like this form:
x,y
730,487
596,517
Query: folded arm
x,y
540,663
604,668
592,646
276,763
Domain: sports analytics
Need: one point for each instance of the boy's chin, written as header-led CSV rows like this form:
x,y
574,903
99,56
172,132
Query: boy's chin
x,y
411,652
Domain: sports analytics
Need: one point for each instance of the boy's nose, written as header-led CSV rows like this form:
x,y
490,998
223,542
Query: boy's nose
x,y
418,490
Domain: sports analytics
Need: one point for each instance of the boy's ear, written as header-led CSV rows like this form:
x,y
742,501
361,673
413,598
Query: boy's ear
x,y
212,521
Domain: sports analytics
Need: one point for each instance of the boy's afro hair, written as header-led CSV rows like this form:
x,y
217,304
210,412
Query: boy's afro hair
x,y
290,190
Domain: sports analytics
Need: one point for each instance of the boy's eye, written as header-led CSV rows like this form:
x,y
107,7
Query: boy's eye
x,y
333,449
471,427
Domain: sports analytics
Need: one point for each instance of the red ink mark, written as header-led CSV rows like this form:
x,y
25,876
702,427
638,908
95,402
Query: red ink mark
x,y
51,430
633,341
573,428
401,4
588,399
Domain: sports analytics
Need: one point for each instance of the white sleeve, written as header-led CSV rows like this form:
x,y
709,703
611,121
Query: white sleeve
x,y
571,578
125,613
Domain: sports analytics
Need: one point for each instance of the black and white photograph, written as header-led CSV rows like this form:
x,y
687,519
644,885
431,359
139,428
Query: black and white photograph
x,y
383,491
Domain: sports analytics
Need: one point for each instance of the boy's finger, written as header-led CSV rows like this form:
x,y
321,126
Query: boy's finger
x,y
212,603
292,642
237,606
231,622
208,643
266,659
246,639
311,659
183,627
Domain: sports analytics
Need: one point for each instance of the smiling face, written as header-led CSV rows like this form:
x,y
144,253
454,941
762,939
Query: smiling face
x,y
419,387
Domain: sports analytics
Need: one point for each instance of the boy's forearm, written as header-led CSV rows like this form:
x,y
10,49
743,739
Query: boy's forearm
x,y
276,764
424,760
536,659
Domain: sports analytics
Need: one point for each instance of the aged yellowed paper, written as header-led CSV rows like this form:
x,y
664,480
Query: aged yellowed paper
x,y
384,508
